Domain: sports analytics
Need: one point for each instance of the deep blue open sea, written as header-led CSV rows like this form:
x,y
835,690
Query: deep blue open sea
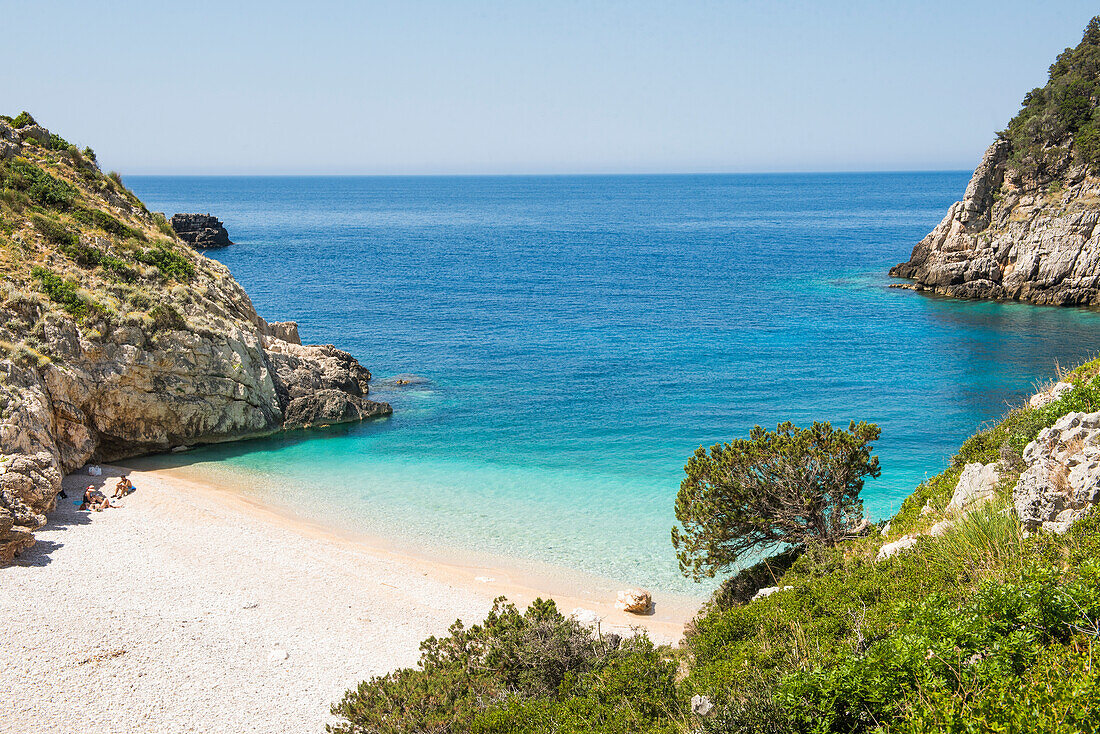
x,y
580,336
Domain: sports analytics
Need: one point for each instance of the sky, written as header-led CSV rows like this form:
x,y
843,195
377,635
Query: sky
x,y
524,87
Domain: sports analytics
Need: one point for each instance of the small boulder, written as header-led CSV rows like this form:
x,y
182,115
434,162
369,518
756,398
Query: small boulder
x,y
768,591
701,705
587,617
36,132
278,655
890,549
635,601
1046,397
940,528
976,484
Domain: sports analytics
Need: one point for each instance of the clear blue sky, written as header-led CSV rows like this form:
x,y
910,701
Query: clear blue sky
x,y
420,86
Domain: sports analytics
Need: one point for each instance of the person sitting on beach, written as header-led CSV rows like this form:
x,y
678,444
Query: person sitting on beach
x,y
94,500
123,488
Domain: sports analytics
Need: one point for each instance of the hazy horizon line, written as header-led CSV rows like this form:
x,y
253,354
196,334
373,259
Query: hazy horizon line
x,y
610,174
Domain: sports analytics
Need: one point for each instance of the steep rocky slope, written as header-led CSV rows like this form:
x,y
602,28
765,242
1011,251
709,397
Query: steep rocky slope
x,y
1026,226
116,339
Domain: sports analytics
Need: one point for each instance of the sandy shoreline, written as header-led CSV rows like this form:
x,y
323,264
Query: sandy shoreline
x,y
163,615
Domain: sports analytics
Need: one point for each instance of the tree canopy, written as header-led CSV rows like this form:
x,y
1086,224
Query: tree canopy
x,y
786,487
1061,117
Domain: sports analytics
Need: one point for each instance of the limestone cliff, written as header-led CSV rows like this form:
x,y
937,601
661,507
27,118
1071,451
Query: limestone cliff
x,y
116,339
1015,238
1026,226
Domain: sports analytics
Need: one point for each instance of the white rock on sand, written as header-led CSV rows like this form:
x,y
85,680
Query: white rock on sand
x,y
185,612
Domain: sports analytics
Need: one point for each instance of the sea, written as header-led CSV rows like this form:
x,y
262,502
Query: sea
x,y
556,347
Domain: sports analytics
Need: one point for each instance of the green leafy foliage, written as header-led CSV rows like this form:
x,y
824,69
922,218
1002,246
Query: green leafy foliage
x,y
170,264
22,120
110,225
66,293
513,670
962,655
41,187
1061,113
54,231
58,143
791,486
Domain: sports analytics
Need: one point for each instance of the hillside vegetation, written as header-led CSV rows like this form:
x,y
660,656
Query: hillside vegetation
x,y
1059,120
982,628
78,242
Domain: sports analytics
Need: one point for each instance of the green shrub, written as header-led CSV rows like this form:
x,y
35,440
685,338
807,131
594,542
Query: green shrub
x,y
164,225
58,143
170,264
110,225
166,318
527,664
22,120
65,293
54,231
945,652
42,188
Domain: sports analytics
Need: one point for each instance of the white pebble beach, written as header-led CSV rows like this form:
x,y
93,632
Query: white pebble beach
x,y
191,610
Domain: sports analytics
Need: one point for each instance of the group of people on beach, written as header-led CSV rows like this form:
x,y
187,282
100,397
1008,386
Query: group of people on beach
x,y
96,500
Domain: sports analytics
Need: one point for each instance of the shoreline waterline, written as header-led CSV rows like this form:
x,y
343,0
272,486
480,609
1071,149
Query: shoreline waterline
x,y
519,580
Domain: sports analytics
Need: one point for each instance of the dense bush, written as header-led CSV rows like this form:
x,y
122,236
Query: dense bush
x,y
170,264
42,188
22,120
110,225
58,143
944,659
166,318
514,671
54,231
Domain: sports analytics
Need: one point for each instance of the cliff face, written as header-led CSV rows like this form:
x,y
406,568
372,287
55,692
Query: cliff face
x,y
1026,227
1015,237
116,339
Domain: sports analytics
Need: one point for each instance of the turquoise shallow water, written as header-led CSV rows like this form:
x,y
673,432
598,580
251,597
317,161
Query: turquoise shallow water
x,y
579,337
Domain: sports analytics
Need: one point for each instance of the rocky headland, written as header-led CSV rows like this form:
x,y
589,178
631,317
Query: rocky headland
x,y
201,231
117,339
1026,228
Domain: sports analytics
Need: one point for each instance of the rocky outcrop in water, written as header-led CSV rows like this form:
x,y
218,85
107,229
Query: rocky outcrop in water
x,y
1014,237
117,340
201,231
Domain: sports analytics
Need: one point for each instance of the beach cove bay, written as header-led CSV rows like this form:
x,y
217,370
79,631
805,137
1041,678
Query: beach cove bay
x,y
556,347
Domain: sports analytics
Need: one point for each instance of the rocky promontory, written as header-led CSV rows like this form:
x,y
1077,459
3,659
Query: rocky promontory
x,y
117,339
1026,228
201,231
